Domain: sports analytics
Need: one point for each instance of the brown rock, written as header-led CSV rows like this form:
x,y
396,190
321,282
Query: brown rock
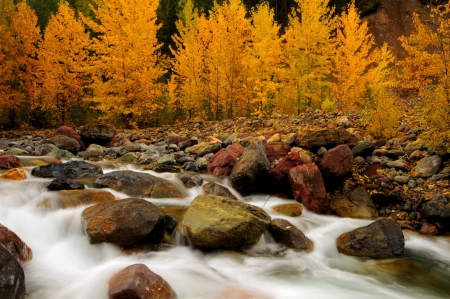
x,y
314,138
8,162
428,229
69,132
66,143
204,148
175,139
15,174
276,150
223,161
308,188
139,282
15,245
75,198
290,236
356,204
97,133
216,189
337,162
289,209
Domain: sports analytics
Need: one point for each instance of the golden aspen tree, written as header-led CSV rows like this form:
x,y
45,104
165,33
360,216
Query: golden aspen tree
x,y
426,70
64,57
308,45
128,61
187,83
263,62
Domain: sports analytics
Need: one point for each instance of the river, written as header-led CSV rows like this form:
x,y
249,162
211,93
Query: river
x,y
66,266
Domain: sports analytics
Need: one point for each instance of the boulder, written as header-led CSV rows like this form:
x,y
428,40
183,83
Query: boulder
x,y
250,173
279,174
216,222
66,143
139,184
69,132
15,174
223,161
276,150
364,148
93,151
69,170
216,189
8,162
315,138
123,222
97,133
130,148
308,188
15,245
64,184
289,209
428,166
290,236
12,277
190,179
437,210
139,282
379,240
356,204
204,148
45,149
337,162
74,198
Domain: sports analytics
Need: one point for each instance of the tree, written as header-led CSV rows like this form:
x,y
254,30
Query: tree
x,y
64,57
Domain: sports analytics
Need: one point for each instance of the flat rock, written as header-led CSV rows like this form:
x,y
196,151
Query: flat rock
x,y
204,148
64,184
69,170
315,138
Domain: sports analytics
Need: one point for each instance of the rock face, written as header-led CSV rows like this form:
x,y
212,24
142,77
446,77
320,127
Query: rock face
x,y
139,184
276,150
337,162
15,174
356,204
216,222
216,189
437,209
139,282
69,170
250,173
64,184
308,188
315,138
97,133
287,234
8,162
69,132
15,245
428,166
12,277
123,222
66,143
381,239
223,161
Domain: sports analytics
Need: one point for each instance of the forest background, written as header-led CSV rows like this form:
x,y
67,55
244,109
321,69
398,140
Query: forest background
x,y
143,63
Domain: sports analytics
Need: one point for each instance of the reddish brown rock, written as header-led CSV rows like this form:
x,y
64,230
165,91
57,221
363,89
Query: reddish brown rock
x,y
69,132
15,174
279,174
287,234
15,245
223,161
337,162
276,150
8,162
139,282
308,188
175,139
428,229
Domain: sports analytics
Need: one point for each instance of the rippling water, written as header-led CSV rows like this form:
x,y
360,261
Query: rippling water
x,y
65,265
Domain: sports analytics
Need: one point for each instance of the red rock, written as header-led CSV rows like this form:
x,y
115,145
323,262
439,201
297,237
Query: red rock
x,y
279,174
276,150
8,162
69,132
115,141
15,245
428,229
138,281
337,162
223,161
308,188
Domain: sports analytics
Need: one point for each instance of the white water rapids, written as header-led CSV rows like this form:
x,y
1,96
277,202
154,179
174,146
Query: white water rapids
x,y
66,266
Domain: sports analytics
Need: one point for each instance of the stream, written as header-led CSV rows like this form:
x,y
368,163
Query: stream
x,y
66,266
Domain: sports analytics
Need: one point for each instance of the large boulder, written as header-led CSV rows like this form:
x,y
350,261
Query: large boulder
x,y
216,189
66,143
8,162
381,239
223,161
290,236
69,170
308,188
337,162
437,210
315,138
428,166
97,133
356,204
15,245
216,222
69,132
12,277
139,282
250,173
204,148
123,222
140,184
279,174
276,150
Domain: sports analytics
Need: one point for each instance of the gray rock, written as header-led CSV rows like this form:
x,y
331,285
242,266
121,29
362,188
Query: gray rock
x,y
69,170
364,148
191,179
398,164
428,166
45,149
402,179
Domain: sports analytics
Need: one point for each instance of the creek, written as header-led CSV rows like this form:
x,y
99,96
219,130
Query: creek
x,y
66,266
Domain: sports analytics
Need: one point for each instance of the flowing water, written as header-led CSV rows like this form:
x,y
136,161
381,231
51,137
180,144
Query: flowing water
x,y
66,266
